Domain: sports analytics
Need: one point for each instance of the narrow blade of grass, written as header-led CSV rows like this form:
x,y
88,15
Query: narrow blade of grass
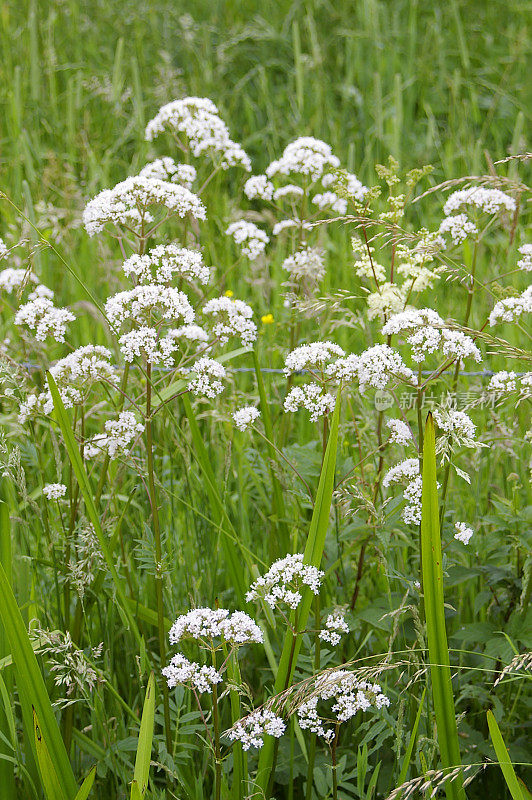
x,y
143,757
503,757
440,671
53,787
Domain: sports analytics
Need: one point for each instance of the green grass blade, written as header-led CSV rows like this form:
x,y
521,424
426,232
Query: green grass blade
x,y
53,787
411,743
503,757
31,684
440,671
86,786
143,757
85,487
312,555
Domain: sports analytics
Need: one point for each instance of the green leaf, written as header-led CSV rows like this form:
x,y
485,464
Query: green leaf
x,y
503,757
411,743
31,685
312,555
86,786
143,758
432,573
53,786
85,487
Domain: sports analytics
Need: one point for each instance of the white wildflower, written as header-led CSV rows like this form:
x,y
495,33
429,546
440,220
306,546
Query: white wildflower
x,y
289,190
335,626
128,202
54,491
307,263
374,367
427,334
400,433
147,303
488,200
315,354
286,224
250,731
305,156
459,227
165,169
246,416
230,317
510,309
285,581
463,532
198,121
41,316
207,378
313,398
330,200
207,624
181,671
456,424
251,240
525,262
388,299
4,250
118,436
146,342
11,279
161,263
258,187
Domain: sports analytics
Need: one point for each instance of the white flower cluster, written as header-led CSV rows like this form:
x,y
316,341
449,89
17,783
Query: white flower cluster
x,y
407,471
207,380
165,169
426,334
286,224
305,156
4,250
388,299
525,262
161,263
459,227
251,240
246,416
197,119
400,433
128,202
305,264
510,309
488,200
182,671
315,354
54,491
11,279
118,436
41,316
250,731
353,187
146,342
206,624
349,695
284,581
231,318
373,367
507,382
463,532
144,302
258,187
456,424
288,190
335,626
312,397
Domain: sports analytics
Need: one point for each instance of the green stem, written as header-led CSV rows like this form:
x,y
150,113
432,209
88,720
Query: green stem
x,y
217,751
158,557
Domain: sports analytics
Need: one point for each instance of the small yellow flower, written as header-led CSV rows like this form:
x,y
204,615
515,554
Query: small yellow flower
x,y
229,293
267,319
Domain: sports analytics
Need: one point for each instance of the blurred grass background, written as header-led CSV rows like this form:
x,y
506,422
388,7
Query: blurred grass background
x,y
429,82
